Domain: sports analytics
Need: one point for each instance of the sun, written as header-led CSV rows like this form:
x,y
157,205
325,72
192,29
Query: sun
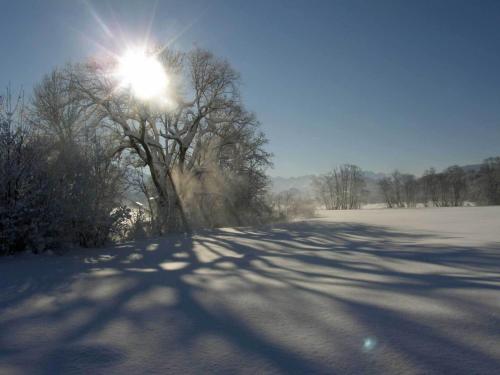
x,y
143,74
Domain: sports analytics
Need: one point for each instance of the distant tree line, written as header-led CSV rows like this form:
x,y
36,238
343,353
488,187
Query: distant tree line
x,y
71,154
345,187
451,187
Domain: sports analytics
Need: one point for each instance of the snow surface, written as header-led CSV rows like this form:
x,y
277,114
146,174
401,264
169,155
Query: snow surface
x,y
402,291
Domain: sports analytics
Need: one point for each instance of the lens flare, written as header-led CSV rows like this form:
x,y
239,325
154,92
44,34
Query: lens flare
x,y
143,74
369,343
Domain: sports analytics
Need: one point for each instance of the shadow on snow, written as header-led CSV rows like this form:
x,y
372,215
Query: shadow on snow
x,y
187,284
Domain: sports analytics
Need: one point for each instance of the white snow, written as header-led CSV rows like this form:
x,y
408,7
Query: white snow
x,y
380,291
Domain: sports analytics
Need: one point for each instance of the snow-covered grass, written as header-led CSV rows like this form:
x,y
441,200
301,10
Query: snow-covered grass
x,y
383,291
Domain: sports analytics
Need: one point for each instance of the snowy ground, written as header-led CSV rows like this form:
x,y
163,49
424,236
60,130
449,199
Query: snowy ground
x,y
357,292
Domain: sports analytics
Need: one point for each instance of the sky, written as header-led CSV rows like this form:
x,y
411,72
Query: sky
x,y
382,84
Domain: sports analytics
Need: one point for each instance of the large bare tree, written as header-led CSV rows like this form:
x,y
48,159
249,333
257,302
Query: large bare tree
x,y
174,139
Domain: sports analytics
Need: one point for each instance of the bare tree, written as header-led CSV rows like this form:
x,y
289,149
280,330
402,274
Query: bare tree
x,y
488,181
455,184
341,188
325,190
385,185
399,190
410,190
430,186
90,183
173,141
55,112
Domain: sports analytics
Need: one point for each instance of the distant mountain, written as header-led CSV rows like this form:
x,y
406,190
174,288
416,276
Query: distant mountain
x,y
471,167
466,168
374,176
302,183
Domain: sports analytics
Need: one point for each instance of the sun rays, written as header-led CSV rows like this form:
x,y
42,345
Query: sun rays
x,y
137,66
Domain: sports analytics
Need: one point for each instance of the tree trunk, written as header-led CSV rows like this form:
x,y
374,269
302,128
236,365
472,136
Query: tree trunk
x,y
171,215
178,204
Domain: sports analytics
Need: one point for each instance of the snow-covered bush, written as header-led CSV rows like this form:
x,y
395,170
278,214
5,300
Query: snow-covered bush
x,y
27,219
89,189
48,200
291,204
54,190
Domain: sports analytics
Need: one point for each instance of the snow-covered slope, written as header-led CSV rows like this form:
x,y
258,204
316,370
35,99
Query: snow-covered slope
x,y
353,292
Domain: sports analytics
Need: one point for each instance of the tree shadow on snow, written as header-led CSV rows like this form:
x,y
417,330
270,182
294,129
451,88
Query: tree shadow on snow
x,y
229,300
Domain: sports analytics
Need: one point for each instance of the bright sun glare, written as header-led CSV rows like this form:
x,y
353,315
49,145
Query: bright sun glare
x,y
143,73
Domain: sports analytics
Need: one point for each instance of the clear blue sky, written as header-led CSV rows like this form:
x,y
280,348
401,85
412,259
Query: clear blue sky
x,y
382,84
